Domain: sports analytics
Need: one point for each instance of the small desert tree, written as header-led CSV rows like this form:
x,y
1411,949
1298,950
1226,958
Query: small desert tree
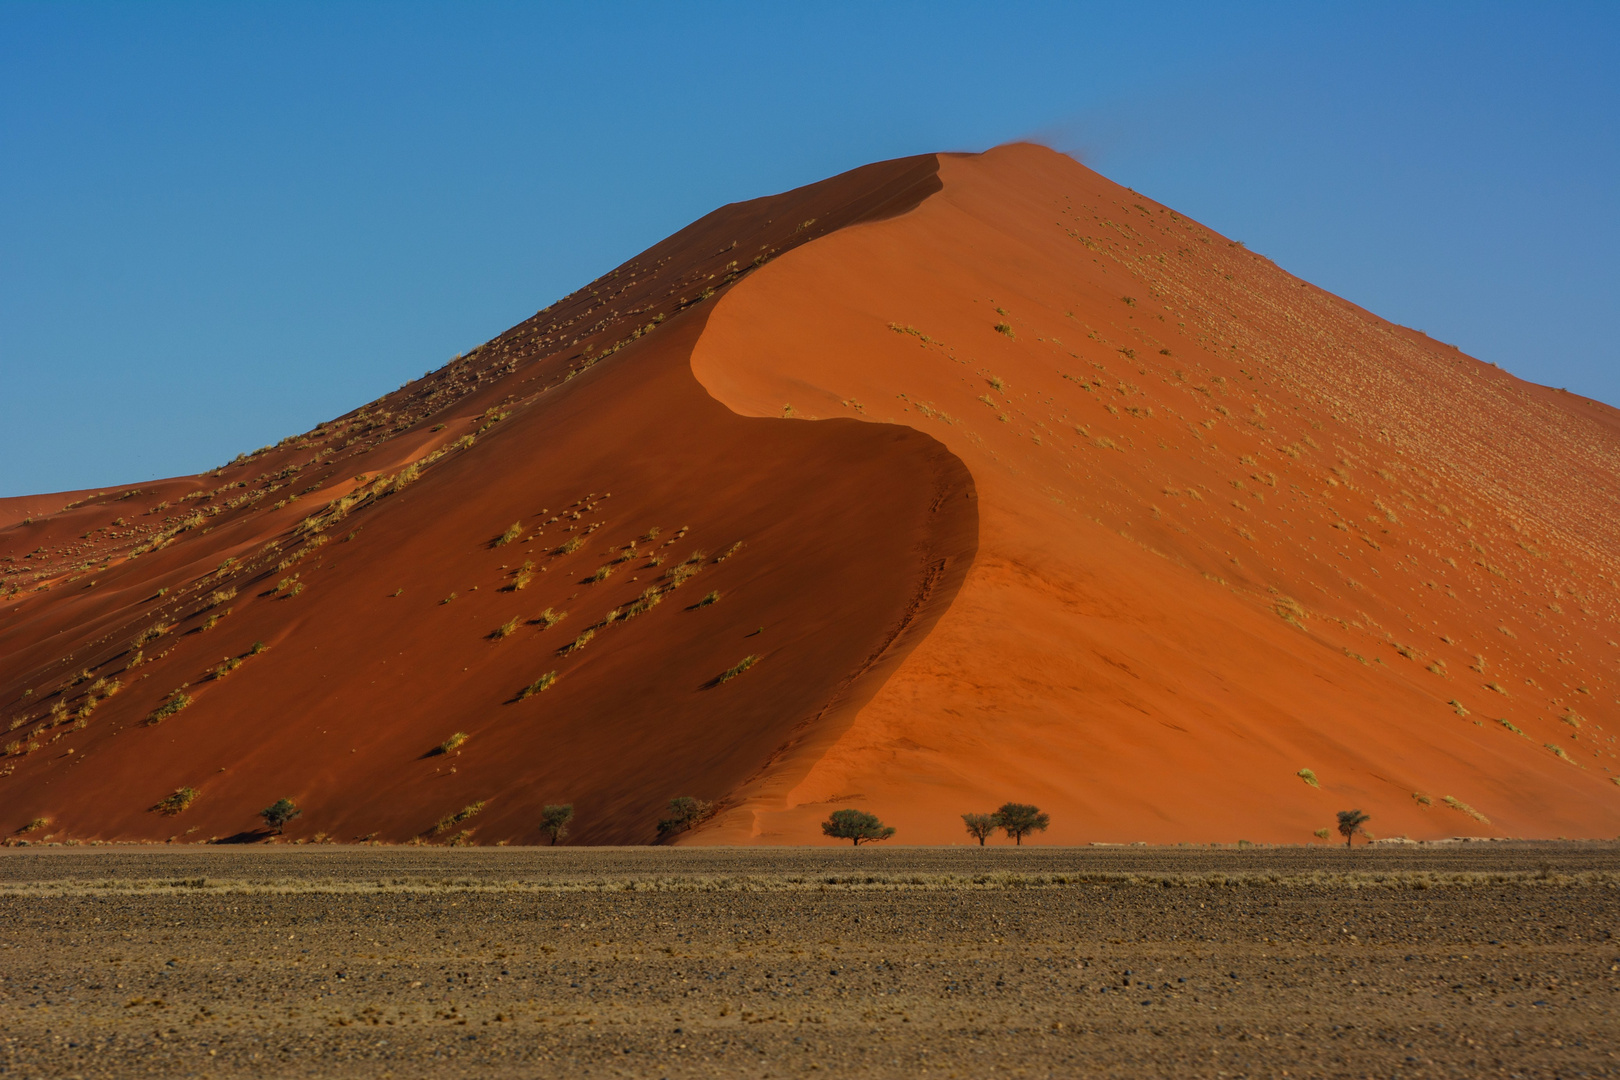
x,y
1350,823
1017,820
685,812
554,820
278,813
856,826
980,826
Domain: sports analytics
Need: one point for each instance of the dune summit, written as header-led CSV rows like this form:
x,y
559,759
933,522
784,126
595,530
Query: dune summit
x,y
946,481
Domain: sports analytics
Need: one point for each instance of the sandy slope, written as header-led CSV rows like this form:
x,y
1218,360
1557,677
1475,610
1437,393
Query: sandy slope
x,y
381,594
1184,527
1231,528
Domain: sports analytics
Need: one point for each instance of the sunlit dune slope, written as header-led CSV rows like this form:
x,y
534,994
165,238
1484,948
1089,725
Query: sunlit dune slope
x,y
1232,529
982,478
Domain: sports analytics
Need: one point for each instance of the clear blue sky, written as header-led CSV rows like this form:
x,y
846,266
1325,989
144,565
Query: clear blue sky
x,y
223,223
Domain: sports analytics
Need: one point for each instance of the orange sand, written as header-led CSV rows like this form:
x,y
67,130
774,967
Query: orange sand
x,y
1137,560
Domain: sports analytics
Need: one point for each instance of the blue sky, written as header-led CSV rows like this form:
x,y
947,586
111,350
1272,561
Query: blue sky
x,y
223,223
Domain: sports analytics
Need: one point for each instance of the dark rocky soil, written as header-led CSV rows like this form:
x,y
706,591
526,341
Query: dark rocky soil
x,y
1466,960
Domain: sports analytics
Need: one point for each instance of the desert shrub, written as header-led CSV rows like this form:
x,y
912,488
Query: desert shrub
x,y
856,826
1322,834
549,618
34,826
649,599
712,597
539,686
151,633
1004,328
1462,807
578,643
602,573
1308,776
571,546
521,577
736,669
513,531
279,813
173,704
979,826
554,819
454,742
1018,820
505,629
684,812
450,821
176,802
1350,823
224,667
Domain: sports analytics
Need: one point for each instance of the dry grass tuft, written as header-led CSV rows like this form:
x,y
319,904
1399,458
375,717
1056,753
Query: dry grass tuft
x,y
176,802
736,669
454,742
175,702
450,821
577,644
1462,807
539,686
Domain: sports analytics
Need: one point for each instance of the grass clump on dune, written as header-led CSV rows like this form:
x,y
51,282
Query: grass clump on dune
x,y
173,704
513,531
1462,807
549,618
539,686
450,821
454,742
736,669
505,629
176,802
578,643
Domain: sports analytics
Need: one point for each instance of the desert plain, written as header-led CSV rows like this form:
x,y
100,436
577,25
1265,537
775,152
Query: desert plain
x,y
1464,959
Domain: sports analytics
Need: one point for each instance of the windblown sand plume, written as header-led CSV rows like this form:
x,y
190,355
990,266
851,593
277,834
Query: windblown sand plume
x,y
947,481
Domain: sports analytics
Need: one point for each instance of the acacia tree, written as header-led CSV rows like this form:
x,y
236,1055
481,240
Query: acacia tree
x,y
278,813
554,820
1350,822
980,826
856,826
685,812
1019,819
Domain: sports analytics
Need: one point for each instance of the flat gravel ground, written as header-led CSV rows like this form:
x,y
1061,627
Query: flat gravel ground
x,y
1464,960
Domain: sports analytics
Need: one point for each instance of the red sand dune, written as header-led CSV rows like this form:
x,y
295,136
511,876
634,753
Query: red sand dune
x,y
1017,484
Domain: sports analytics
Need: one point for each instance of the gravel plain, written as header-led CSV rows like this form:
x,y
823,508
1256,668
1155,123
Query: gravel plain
x,y
1476,959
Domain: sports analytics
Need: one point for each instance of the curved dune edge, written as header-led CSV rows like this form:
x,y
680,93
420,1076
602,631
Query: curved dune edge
x,y
1222,591
393,567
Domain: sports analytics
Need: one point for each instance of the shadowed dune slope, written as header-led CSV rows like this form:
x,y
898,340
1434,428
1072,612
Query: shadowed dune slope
x,y
1043,492
679,538
1248,555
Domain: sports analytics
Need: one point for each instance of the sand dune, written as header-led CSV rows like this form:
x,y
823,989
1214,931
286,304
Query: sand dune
x,y
1014,484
